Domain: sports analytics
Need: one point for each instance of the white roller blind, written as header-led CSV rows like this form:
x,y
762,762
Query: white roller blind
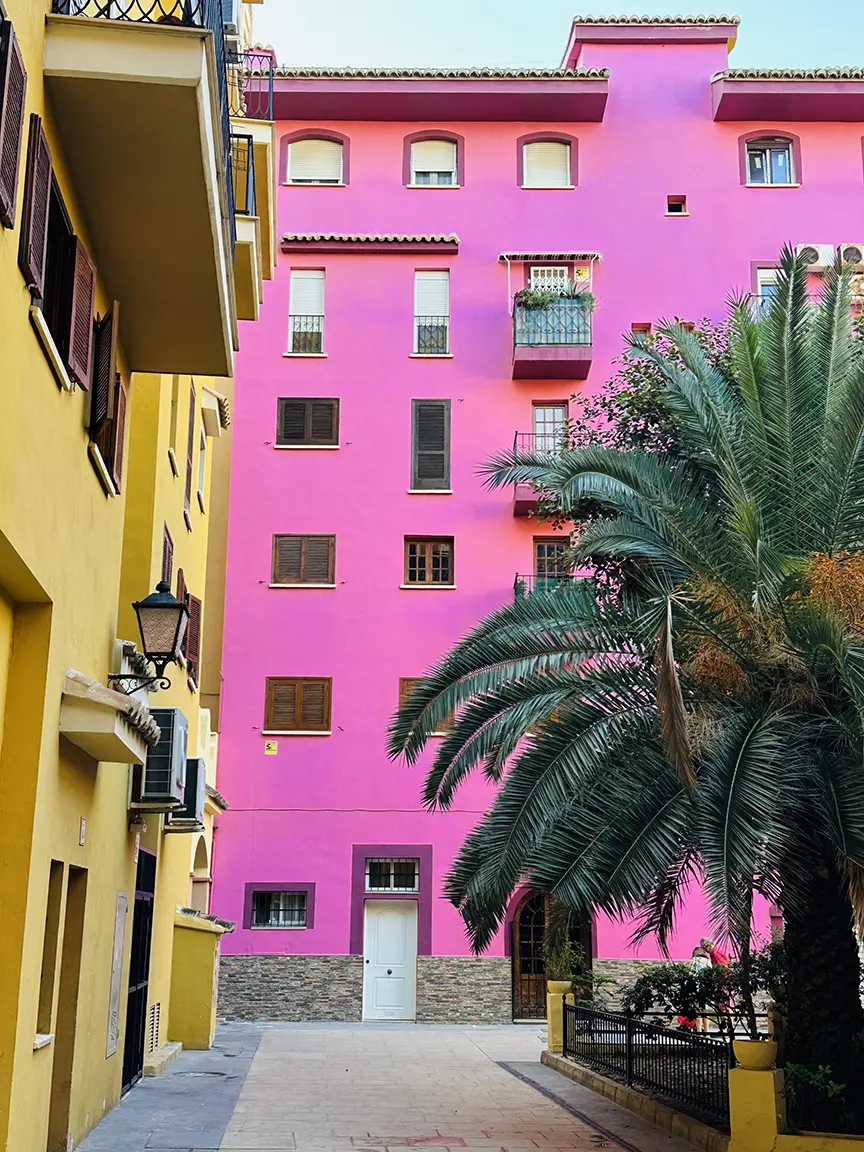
x,y
315,162
307,292
431,293
433,156
546,164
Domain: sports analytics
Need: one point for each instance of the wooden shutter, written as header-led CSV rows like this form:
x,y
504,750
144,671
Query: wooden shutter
x,y
308,421
433,156
118,434
307,292
546,164
297,704
33,245
431,444
167,556
315,162
315,705
190,447
13,88
280,704
431,293
104,375
407,684
80,342
181,594
193,631
304,559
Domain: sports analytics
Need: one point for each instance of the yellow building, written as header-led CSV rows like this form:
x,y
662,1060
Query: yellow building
x,y
123,271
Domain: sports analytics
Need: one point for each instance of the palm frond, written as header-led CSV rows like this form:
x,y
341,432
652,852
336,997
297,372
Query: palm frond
x,y
670,702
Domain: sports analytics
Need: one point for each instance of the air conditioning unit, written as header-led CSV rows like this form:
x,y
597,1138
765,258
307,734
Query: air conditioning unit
x,y
857,288
851,254
816,255
158,784
190,818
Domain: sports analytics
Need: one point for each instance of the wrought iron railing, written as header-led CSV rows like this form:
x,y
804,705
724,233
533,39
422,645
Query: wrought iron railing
x,y
689,1069
552,442
566,321
191,13
307,333
524,585
250,85
432,335
243,174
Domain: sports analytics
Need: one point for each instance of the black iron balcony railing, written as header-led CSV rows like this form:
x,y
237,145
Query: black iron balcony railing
x,y
243,174
307,334
250,85
552,442
565,321
432,335
524,584
191,13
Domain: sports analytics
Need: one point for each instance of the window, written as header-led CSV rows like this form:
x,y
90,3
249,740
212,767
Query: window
x,y
551,565
315,161
167,556
297,704
13,86
431,313
307,423
306,319
107,413
175,419
190,456
676,206
430,445
400,874
550,278
550,427
304,560
433,162
546,164
192,639
641,328
769,161
766,287
407,684
429,561
202,468
279,909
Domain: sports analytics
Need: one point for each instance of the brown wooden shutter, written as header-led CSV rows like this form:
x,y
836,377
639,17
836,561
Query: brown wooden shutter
x,y
297,704
33,244
104,375
308,421
431,444
280,704
190,447
315,705
181,596
167,556
304,559
319,559
292,422
80,342
118,434
193,632
322,417
287,559
407,684
13,88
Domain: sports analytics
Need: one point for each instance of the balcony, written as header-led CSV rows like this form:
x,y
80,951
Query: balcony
x,y
552,342
250,106
526,585
158,203
526,496
248,260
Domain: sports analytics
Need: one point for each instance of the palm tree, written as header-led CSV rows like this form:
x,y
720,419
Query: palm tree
x,y
707,723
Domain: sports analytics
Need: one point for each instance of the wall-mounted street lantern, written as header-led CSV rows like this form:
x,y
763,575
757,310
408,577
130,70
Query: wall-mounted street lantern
x,y
162,620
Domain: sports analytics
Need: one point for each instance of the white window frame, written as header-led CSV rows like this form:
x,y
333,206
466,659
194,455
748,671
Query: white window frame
x,y
316,183
422,311
393,861
544,434
299,309
527,182
453,172
766,145
550,278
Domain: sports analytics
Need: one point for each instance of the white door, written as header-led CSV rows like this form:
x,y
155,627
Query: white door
x,y
389,959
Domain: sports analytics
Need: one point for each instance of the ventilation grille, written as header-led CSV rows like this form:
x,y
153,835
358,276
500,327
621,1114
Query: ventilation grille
x,y
153,1027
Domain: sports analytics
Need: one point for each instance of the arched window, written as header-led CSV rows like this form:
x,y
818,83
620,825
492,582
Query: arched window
x,y
770,160
315,160
546,161
433,159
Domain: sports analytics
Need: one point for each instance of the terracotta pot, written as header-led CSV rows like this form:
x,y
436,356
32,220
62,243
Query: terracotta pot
x,y
559,987
755,1055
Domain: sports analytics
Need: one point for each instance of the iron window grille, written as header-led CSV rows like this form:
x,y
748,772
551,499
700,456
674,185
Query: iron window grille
x,y
397,874
243,174
307,333
279,909
769,161
565,321
250,85
432,335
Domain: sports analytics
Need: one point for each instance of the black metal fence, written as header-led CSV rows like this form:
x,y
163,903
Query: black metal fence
x,y
685,1068
553,442
432,335
250,84
566,321
307,334
243,174
526,583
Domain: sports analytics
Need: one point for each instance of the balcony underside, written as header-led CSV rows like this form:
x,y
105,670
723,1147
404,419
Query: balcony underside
x,y
551,362
247,267
138,115
776,100
525,500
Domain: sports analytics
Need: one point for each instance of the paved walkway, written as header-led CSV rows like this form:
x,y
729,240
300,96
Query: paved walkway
x,y
389,1088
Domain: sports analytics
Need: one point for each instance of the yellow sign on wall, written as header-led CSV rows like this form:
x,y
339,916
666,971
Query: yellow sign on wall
x,y
271,747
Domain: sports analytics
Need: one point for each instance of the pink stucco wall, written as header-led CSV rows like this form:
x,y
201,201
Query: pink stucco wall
x,y
294,816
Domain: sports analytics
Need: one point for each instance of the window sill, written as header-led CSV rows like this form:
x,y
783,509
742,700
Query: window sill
x,y
772,185
429,491
430,355
298,732
674,214
101,470
278,927
429,587
187,516
172,460
305,355
547,187
301,585
201,504
52,353
42,1040
436,187
307,447
291,184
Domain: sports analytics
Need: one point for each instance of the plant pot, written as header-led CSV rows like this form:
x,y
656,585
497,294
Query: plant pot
x,y
755,1055
559,987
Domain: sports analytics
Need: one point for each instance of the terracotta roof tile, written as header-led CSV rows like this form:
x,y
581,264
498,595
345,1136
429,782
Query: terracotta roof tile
x,y
360,238
840,72
672,20
444,73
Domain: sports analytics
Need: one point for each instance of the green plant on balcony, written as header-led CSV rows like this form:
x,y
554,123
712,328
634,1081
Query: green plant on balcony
x,y
536,299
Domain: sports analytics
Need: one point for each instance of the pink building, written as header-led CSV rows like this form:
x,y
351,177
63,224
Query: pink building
x,y
382,371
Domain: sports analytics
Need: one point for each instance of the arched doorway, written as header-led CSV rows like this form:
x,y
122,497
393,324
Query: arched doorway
x,y
200,894
529,970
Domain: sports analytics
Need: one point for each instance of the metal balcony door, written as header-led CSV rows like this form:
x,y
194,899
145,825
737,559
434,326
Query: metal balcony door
x,y
139,970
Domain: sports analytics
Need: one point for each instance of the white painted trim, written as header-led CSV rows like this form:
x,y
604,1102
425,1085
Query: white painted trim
x,y
278,927
437,187
52,353
547,187
429,491
301,585
42,1040
270,732
307,447
291,184
172,460
430,355
772,185
430,587
101,468
676,213
307,355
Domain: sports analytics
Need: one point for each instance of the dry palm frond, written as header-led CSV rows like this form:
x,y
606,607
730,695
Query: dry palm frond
x,y
855,878
713,667
838,581
670,704
703,728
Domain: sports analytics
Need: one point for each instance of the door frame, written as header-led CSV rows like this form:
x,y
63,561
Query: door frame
x,y
413,1006
587,938
142,938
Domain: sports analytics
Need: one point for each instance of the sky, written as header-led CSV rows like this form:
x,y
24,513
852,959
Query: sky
x,y
533,33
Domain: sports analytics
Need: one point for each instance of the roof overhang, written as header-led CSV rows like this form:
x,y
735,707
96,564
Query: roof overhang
x,y
788,98
555,98
649,30
331,243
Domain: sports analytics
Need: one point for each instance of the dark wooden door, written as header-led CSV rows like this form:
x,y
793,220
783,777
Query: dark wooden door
x,y
139,970
529,972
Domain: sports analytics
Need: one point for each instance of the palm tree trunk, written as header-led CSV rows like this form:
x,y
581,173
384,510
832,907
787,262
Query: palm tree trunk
x,y
824,1017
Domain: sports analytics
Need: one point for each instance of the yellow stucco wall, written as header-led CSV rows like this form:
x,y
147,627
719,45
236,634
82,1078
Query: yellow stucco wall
x,y
757,1113
193,982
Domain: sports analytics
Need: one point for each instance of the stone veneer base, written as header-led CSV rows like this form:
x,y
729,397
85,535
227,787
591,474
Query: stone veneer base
x,y
616,976
450,989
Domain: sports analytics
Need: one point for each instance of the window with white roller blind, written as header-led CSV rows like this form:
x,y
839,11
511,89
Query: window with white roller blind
x,y
306,317
431,313
546,164
315,162
433,162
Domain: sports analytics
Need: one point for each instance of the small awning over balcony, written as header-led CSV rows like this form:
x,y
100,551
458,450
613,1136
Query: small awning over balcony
x,y
140,110
552,342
